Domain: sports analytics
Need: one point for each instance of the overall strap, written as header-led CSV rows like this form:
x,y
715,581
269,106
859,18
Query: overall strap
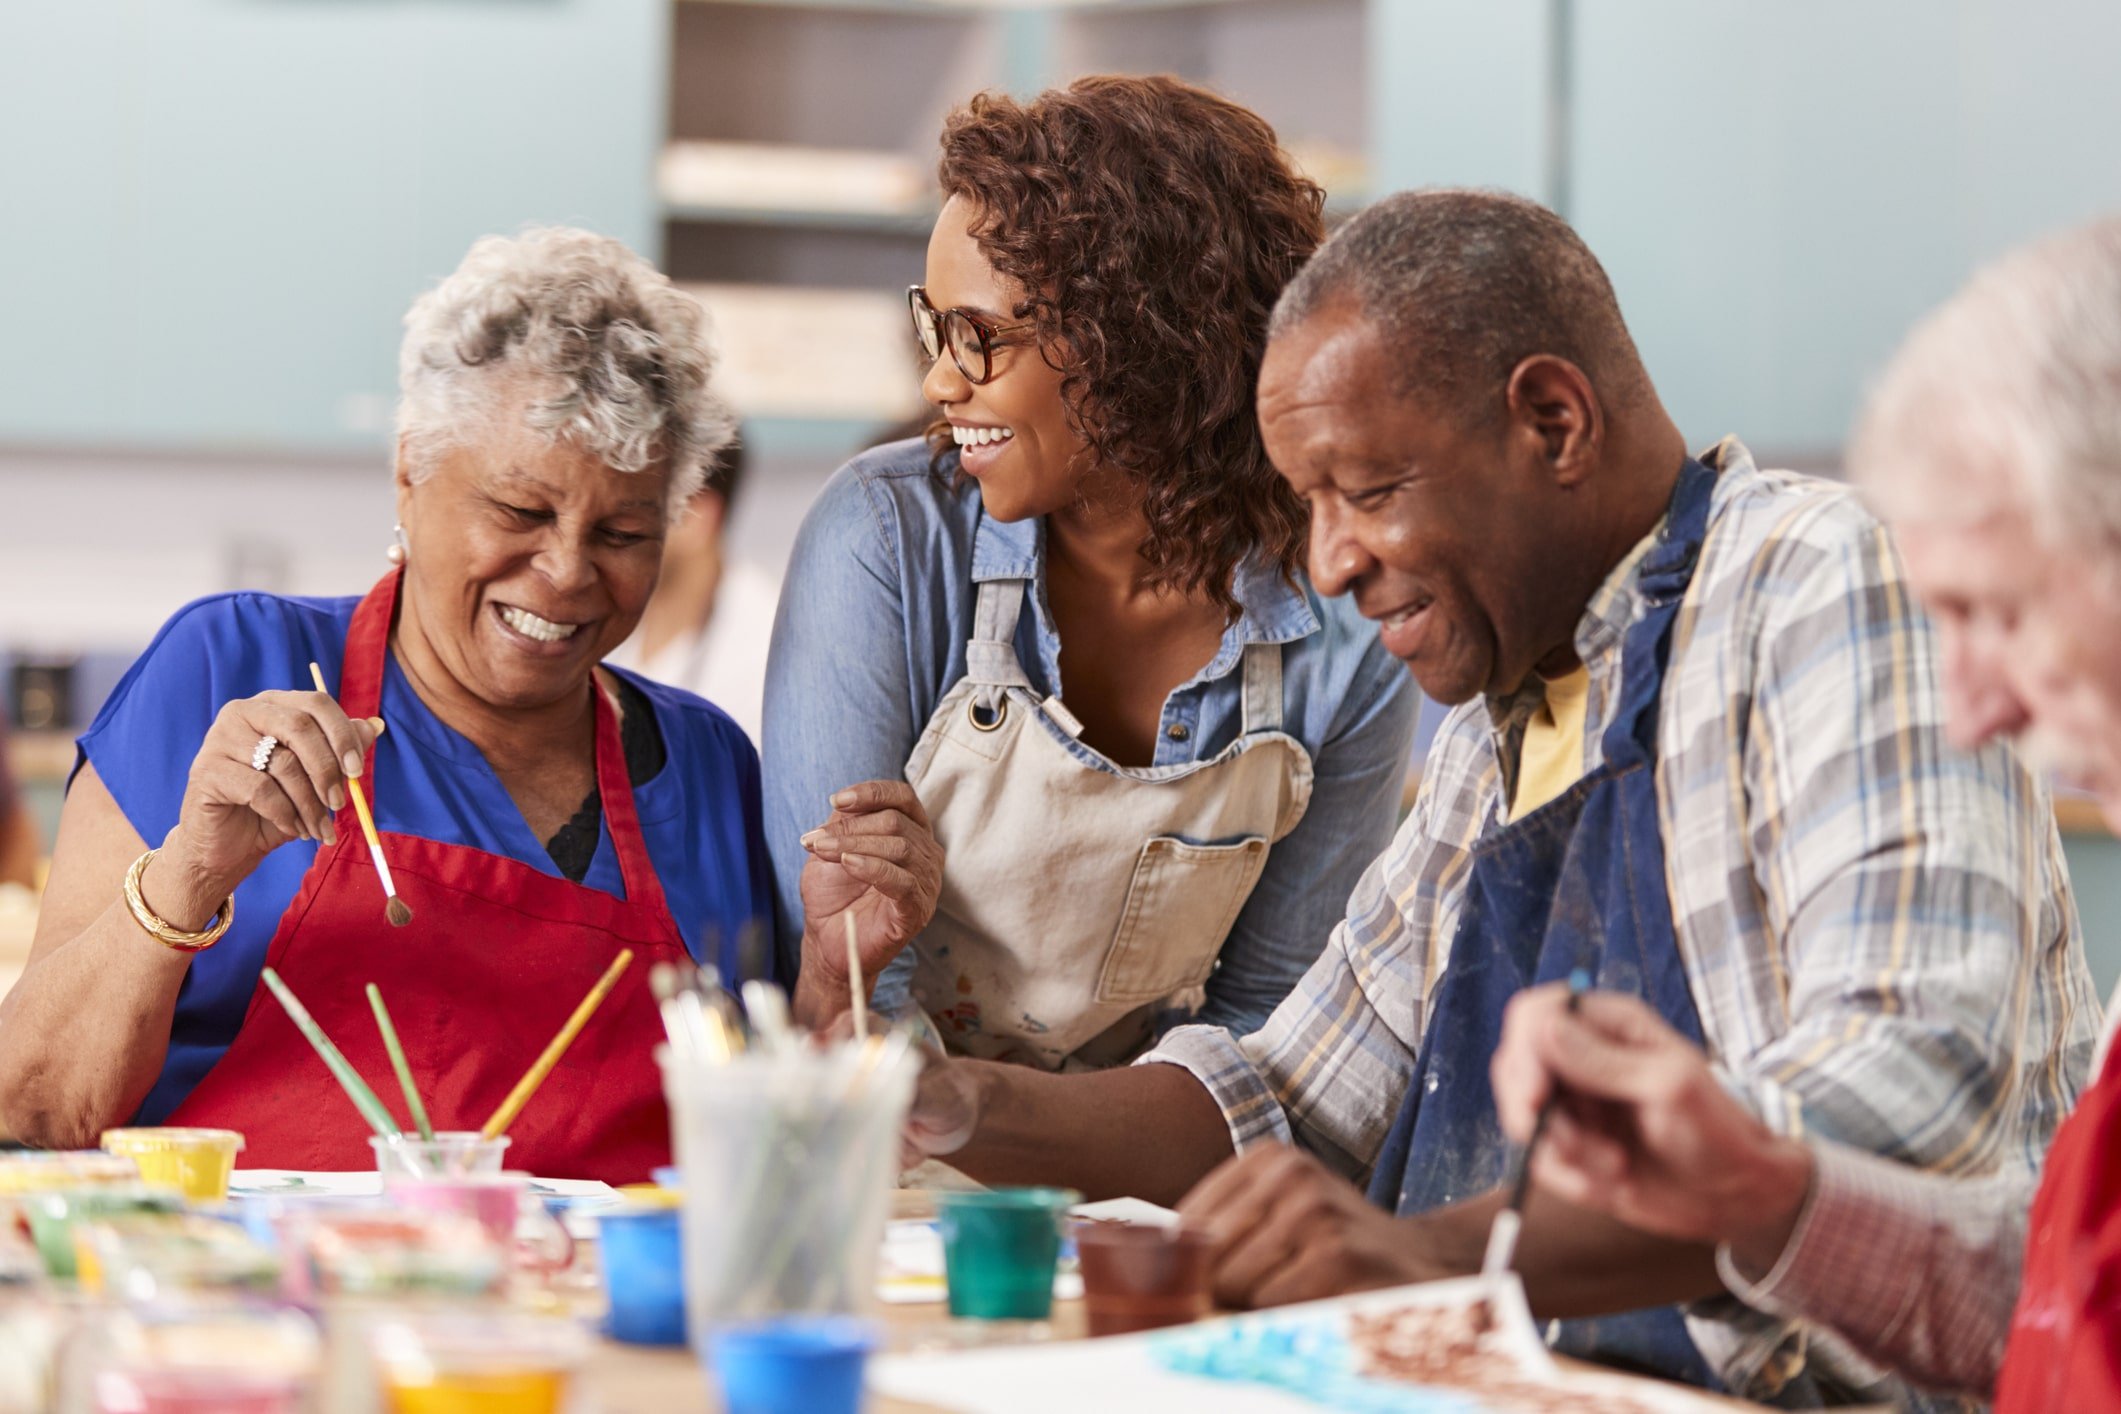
x,y
990,654
1666,572
1262,712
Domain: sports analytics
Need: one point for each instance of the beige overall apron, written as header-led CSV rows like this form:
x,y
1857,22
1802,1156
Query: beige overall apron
x,y
1080,897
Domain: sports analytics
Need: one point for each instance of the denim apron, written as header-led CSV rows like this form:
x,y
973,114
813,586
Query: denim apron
x,y
1579,882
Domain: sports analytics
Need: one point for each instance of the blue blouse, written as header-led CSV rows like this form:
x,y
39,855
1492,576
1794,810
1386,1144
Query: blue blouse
x,y
700,814
871,634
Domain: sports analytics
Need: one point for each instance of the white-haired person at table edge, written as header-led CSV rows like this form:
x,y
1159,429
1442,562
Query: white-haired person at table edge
x,y
540,812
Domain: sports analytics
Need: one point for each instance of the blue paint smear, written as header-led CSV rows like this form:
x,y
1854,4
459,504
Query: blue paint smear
x,y
1306,1359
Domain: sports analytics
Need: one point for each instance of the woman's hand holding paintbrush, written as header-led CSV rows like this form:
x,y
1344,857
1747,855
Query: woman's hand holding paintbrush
x,y
272,769
1637,1125
394,908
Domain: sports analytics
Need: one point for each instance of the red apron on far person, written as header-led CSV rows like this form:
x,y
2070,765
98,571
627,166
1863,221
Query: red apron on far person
x,y
496,957
2065,1341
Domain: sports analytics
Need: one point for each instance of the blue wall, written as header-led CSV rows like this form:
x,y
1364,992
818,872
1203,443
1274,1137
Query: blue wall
x,y
218,210
1779,190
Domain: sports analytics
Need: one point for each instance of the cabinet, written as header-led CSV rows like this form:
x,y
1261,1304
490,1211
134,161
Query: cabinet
x,y
220,209
798,182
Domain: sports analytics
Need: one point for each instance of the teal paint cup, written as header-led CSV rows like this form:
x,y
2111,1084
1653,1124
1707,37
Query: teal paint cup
x,y
1000,1247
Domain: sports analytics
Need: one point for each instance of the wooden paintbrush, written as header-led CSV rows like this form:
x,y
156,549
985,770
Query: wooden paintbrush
x,y
1502,1237
859,993
501,1118
395,909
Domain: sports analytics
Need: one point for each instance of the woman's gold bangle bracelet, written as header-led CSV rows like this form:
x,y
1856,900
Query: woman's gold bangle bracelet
x,y
164,932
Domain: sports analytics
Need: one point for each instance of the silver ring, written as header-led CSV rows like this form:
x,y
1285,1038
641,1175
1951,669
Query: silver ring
x,y
261,755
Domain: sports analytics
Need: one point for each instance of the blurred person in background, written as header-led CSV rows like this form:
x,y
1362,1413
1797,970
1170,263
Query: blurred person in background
x,y
710,621
1067,641
540,812
1993,448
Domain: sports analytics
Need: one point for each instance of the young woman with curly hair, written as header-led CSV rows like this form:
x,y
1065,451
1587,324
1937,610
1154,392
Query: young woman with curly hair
x,y
1067,642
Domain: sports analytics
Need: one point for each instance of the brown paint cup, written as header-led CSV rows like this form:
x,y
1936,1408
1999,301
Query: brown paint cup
x,y
1138,1278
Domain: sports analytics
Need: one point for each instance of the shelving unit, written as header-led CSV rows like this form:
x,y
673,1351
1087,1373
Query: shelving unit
x,y
797,183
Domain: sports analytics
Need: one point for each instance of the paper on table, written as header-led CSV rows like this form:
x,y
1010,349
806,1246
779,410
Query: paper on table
x,y
911,1271
1297,1348
312,1183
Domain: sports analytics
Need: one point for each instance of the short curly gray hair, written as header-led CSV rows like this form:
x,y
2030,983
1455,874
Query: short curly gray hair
x,y
617,358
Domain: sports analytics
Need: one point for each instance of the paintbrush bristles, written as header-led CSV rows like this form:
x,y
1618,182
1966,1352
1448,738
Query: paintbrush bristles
x,y
398,911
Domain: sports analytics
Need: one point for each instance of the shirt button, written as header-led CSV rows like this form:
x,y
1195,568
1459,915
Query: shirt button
x,y
1177,731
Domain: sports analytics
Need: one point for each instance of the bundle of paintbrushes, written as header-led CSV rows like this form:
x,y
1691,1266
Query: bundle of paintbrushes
x,y
788,1149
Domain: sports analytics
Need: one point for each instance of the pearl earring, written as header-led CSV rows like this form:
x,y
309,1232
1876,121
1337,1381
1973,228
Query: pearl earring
x,y
396,553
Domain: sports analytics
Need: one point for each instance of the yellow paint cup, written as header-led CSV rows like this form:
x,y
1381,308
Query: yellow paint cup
x,y
196,1162
651,1195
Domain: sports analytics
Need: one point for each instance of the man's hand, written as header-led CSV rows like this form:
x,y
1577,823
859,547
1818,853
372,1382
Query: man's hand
x,y
946,1107
1642,1130
1286,1229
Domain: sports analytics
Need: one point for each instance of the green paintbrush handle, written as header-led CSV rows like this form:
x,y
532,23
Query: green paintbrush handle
x,y
398,1063
371,1108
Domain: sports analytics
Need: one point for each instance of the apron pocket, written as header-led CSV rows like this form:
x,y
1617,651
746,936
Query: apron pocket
x,y
1180,905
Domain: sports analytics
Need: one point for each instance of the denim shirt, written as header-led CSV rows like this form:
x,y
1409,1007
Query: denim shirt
x,y
871,635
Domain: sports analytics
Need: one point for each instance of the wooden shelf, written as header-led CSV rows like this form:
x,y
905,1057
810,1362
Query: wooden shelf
x,y
884,223
797,355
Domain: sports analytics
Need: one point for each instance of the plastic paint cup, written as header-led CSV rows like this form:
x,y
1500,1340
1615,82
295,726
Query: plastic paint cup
x,y
490,1362
644,1275
493,1200
212,1359
53,1217
42,1171
1000,1247
196,1162
165,1256
197,1392
792,1365
334,1249
450,1154
1138,1277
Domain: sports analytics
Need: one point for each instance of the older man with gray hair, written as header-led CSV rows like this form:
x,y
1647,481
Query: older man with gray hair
x,y
1698,755
1993,448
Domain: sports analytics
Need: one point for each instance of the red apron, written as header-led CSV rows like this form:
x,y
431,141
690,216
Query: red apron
x,y
496,957
2065,1342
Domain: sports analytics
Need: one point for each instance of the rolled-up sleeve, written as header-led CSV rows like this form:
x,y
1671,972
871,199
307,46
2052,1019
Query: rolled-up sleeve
x,y
1330,1067
1919,1272
1939,1009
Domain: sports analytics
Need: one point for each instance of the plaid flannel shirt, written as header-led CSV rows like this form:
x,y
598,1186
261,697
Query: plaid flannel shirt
x,y
1876,927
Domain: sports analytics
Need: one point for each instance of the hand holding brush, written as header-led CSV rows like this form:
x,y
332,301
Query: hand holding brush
x,y
1502,1237
394,908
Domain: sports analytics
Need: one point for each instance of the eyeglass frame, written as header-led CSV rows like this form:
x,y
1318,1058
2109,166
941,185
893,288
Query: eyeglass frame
x,y
917,303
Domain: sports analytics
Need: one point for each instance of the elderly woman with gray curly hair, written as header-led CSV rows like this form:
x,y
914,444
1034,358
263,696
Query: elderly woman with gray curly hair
x,y
539,813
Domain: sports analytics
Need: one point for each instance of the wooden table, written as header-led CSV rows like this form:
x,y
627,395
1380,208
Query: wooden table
x,y
636,1380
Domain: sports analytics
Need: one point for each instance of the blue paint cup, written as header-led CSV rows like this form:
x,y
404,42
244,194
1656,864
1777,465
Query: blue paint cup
x,y
644,1275
792,1365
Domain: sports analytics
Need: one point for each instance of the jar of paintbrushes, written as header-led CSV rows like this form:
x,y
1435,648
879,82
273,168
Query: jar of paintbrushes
x,y
788,1150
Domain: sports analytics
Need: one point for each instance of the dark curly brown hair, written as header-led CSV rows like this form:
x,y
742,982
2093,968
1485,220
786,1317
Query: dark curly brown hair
x,y
1153,225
